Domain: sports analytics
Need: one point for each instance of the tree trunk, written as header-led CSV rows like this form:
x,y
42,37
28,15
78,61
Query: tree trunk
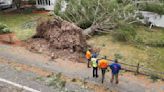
x,y
17,3
88,31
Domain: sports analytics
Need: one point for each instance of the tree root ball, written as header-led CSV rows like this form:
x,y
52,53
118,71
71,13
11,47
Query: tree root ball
x,y
58,35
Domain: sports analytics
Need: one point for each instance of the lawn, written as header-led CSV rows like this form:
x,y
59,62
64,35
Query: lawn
x,y
151,57
23,25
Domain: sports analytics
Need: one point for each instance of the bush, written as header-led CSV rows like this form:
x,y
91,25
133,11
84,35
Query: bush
x,y
154,77
33,2
40,9
28,10
125,33
4,29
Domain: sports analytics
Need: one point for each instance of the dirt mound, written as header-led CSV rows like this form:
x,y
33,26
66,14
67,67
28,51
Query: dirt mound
x,y
58,37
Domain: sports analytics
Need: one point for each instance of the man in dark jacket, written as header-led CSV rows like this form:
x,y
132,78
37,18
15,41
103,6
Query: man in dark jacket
x,y
115,67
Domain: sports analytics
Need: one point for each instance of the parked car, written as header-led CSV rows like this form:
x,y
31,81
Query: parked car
x,y
4,4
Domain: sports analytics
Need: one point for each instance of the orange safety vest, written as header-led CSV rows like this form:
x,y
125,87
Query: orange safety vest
x,y
88,55
103,63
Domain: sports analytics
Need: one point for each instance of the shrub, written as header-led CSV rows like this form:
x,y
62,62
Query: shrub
x,y
154,77
33,2
28,10
40,9
4,29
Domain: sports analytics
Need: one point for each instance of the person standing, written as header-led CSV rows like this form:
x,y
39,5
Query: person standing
x,y
88,57
115,67
94,63
103,65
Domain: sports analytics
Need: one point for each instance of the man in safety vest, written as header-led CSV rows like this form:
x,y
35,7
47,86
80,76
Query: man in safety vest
x,y
115,67
94,63
103,65
88,57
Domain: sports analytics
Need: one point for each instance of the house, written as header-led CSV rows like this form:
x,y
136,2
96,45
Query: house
x,y
46,4
152,18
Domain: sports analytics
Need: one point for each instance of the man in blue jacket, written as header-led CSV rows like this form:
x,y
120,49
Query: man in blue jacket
x,y
115,67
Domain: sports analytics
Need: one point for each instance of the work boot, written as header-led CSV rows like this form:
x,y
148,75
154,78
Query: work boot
x,y
102,80
111,81
117,82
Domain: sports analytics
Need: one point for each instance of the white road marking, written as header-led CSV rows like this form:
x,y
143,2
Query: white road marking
x,y
18,85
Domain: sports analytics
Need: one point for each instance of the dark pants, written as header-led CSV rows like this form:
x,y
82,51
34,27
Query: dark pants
x,y
88,63
95,72
103,70
114,76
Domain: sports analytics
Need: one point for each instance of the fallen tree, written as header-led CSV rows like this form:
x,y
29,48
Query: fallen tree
x,y
58,38
96,16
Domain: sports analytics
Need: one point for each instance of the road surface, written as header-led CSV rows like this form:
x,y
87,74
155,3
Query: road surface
x,y
128,82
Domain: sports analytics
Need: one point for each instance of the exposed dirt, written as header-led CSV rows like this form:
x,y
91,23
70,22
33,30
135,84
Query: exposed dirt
x,y
9,39
58,38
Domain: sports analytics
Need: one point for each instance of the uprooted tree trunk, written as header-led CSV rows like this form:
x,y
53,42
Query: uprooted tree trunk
x,y
98,29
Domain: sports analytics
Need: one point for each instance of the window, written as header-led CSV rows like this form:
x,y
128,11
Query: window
x,y
44,2
49,2
38,2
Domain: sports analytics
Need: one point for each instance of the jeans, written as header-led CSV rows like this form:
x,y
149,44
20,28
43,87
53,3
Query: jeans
x,y
114,76
103,70
95,72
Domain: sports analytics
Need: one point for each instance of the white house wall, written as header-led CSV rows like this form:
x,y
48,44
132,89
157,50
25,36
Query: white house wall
x,y
7,2
154,18
43,4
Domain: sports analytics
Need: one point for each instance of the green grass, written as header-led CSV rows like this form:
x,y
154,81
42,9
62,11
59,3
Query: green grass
x,y
151,37
131,53
16,21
